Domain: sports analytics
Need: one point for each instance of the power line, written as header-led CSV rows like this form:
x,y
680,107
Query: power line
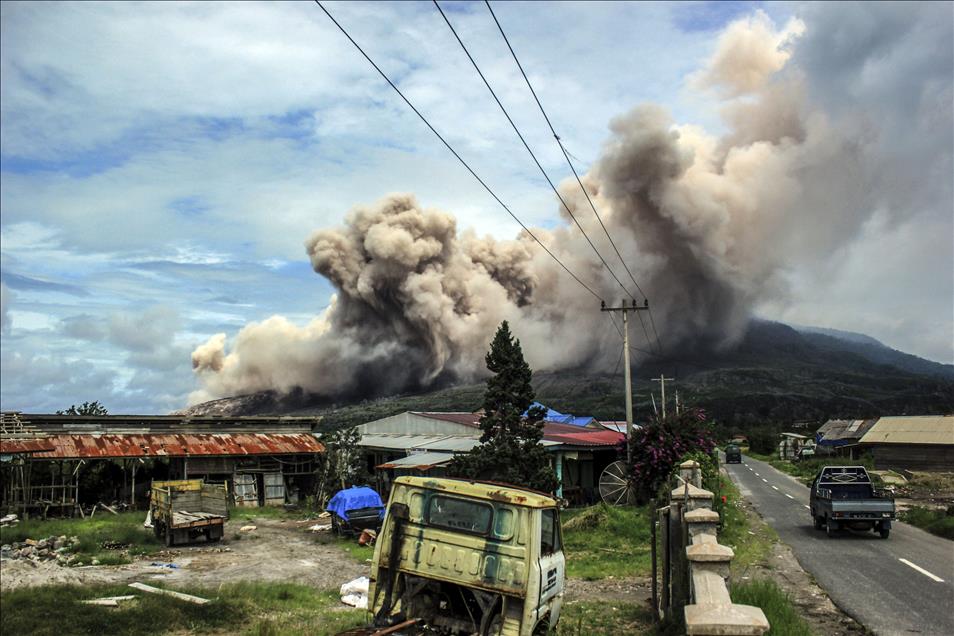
x,y
572,168
532,155
454,152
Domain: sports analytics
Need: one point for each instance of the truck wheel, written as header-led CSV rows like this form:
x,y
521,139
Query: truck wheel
x,y
884,532
168,537
157,529
818,521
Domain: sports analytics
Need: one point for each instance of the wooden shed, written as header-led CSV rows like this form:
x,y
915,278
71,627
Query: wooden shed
x,y
920,442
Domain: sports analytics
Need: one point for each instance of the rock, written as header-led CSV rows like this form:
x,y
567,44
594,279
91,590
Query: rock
x,y
27,551
31,542
59,545
94,562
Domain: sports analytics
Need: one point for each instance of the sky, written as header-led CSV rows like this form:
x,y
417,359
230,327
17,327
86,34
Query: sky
x,y
162,164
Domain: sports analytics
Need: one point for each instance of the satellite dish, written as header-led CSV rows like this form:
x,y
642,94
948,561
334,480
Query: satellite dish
x,y
616,485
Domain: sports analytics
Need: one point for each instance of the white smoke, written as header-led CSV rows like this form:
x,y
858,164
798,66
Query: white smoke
x,y
708,225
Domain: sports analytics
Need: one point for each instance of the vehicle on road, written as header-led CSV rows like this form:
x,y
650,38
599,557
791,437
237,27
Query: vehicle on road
x,y
181,511
355,509
467,557
844,497
733,454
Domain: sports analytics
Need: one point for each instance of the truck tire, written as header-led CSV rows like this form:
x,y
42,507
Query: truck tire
x,y
168,532
830,526
819,522
884,532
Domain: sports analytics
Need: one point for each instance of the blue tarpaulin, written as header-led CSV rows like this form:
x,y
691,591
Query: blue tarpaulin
x,y
560,418
354,498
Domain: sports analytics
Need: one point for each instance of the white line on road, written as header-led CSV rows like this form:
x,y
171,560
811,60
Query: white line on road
x,y
764,479
775,487
789,496
922,570
756,474
807,506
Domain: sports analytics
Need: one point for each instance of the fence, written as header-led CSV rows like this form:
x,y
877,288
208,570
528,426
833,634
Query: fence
x,y
695,567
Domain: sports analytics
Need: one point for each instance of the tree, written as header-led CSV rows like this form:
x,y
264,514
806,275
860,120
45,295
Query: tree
x,y
340,466
86,408
509,449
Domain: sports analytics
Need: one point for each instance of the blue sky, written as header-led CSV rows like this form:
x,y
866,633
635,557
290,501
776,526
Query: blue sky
x,y
162,165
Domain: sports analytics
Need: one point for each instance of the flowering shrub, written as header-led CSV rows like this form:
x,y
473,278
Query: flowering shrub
x,y
661,444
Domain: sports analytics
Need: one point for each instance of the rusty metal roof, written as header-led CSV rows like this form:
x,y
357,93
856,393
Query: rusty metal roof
x,y
917,429
419,461
571,435
14,446
76,446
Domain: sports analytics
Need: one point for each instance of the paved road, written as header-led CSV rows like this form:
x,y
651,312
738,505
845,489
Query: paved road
x,y
900,585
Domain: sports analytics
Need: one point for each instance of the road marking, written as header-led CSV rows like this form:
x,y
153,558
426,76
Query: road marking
x,y
756,474
764,479
922,570
789,496
807,506
775,487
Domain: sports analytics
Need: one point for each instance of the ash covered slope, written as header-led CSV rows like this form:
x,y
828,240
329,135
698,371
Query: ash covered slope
x,y
774,373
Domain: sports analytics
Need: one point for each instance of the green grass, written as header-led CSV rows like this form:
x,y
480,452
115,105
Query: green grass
x,y
582,618
268,512
775,603
752,542
240,608
360,553
937,522
126,528
602,541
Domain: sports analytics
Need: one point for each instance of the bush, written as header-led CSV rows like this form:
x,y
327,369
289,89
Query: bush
x,y
939,522
659,445
763,443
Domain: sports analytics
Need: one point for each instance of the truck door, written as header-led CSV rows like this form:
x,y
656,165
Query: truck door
x,y
552,565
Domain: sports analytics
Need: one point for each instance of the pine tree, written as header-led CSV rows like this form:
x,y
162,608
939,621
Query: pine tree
x,y
509,449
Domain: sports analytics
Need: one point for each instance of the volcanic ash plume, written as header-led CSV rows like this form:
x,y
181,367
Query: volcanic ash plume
x,y
708,225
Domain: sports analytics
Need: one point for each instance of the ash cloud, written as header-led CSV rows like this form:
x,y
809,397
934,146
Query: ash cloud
x,y
709,224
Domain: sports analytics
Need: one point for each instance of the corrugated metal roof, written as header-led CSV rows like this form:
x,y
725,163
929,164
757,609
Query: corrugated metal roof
x,y
451,444
470,419
181,445
14,446
569,435
917,429
843,432
419,461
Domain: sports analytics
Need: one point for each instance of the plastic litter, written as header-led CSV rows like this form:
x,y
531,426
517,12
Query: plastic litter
x,y
355,593
171,566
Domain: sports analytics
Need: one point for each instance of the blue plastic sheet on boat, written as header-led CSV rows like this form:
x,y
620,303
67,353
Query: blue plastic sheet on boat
x,y
354,498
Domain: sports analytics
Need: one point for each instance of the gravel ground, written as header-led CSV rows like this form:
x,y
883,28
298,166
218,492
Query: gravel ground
x,y
276,551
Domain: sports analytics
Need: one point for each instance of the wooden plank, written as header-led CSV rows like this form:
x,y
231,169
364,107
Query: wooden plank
x,y
179,595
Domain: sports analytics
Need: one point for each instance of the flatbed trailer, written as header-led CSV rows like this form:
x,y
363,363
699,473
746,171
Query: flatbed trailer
x,y
184,510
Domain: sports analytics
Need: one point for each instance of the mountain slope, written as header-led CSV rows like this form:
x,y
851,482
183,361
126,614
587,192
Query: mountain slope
x,y
776,373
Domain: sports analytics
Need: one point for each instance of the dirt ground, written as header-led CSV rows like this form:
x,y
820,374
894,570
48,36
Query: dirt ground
x,y
275,551
630,589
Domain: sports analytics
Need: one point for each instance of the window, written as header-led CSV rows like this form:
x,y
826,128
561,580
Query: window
x,y
460,514
549,532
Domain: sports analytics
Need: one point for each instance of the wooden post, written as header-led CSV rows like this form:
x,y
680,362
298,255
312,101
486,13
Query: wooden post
x,y
132,494
667,563
652,544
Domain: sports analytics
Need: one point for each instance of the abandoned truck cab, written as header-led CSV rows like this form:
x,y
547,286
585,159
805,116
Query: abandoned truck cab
x,y
468,557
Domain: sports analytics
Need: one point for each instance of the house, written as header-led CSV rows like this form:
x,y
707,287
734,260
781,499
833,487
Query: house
x,y
56,462
841,437
920,442
423,443
790,444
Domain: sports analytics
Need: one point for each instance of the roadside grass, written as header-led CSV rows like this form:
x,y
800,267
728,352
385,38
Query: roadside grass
x,y
241,513
775,603
601,541
752,543
239,608
125,528
806,470
939,522
582,618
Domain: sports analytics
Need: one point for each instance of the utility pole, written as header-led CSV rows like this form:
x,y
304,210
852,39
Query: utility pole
x,y
625,309
662,379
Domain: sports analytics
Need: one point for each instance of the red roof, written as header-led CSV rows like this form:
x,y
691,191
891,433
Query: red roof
x,y
179,445
12,446
576,436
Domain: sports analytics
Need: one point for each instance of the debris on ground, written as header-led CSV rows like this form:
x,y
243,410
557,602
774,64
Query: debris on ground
x,y
179,595
367,537
9,520
248,528
319,527
157,564
50,549
324,515
109,601
355,593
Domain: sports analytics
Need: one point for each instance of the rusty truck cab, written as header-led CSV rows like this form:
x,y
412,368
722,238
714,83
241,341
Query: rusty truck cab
x,y
468,557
